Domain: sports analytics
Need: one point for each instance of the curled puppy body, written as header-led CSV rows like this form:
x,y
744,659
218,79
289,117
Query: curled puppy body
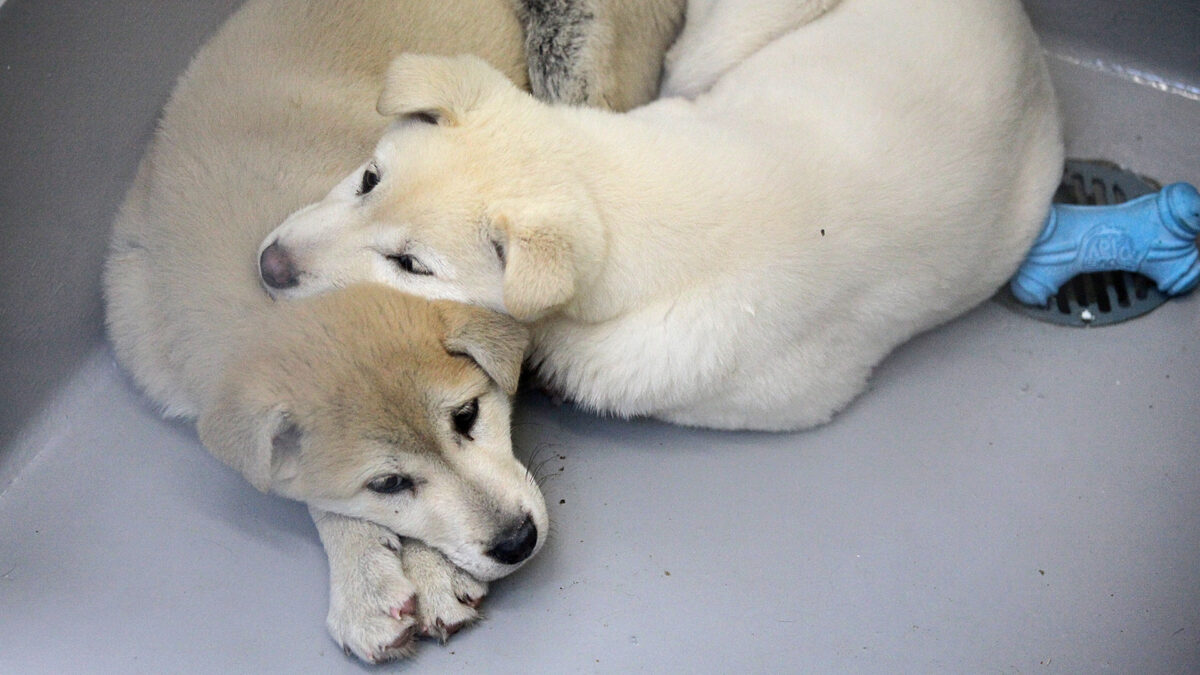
x,y
602,53
737,257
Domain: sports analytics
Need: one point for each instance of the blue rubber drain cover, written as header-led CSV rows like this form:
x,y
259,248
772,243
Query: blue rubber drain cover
x,y
1100,298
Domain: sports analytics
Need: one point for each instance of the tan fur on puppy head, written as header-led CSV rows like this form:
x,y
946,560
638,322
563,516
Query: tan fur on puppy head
x,y
386,408
364,362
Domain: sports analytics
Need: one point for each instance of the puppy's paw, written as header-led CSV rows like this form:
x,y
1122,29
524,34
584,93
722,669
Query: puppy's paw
x,y
447,597
373,605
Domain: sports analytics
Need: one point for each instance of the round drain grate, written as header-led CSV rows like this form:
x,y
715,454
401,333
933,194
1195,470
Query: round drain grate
x,y
1101,298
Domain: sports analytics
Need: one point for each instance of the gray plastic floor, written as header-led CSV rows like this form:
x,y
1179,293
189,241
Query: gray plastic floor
x,y
1009,496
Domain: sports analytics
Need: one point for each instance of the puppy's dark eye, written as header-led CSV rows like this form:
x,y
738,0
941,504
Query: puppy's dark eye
x,y
464,418
425,117
390,484
370,179
410,264
500,253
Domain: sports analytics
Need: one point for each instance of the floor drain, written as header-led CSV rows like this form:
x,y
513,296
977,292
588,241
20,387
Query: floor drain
x,y
1101,298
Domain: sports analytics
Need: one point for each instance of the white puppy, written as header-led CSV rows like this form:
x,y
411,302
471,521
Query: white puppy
x,y
837,177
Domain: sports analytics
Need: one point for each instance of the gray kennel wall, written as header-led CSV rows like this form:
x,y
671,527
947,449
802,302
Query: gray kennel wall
x,y
81,86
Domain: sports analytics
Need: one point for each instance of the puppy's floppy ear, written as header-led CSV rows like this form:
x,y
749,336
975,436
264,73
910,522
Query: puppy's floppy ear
x,y
539,265
546,249
252,435
442,89
494,341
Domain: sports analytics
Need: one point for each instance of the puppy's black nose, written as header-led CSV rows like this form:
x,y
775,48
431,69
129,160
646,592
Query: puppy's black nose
x,y
275,267
515,544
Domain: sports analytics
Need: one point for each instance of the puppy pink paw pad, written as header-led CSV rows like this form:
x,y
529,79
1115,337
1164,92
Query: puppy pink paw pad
x,y
409,608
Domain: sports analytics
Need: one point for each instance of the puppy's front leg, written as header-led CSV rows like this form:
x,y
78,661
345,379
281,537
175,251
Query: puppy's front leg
x,y
372,604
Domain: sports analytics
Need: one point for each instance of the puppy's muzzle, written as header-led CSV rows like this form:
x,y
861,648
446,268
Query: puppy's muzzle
x,y
515,544
276,268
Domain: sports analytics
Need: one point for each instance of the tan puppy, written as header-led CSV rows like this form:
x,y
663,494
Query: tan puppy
x,y
279,102
377,408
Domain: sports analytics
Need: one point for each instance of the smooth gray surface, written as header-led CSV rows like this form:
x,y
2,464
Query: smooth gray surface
x,y
1009,496
81,85
1161,37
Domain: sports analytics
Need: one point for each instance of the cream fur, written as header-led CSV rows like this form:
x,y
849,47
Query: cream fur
x,y
720,34
740,254
279,103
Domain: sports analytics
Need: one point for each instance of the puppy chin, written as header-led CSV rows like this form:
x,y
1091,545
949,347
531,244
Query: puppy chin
x,y
304,288
483,567
278,293
487,570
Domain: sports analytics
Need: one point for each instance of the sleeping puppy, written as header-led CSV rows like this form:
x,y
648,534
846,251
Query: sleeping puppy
x,y
742,252
388,415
